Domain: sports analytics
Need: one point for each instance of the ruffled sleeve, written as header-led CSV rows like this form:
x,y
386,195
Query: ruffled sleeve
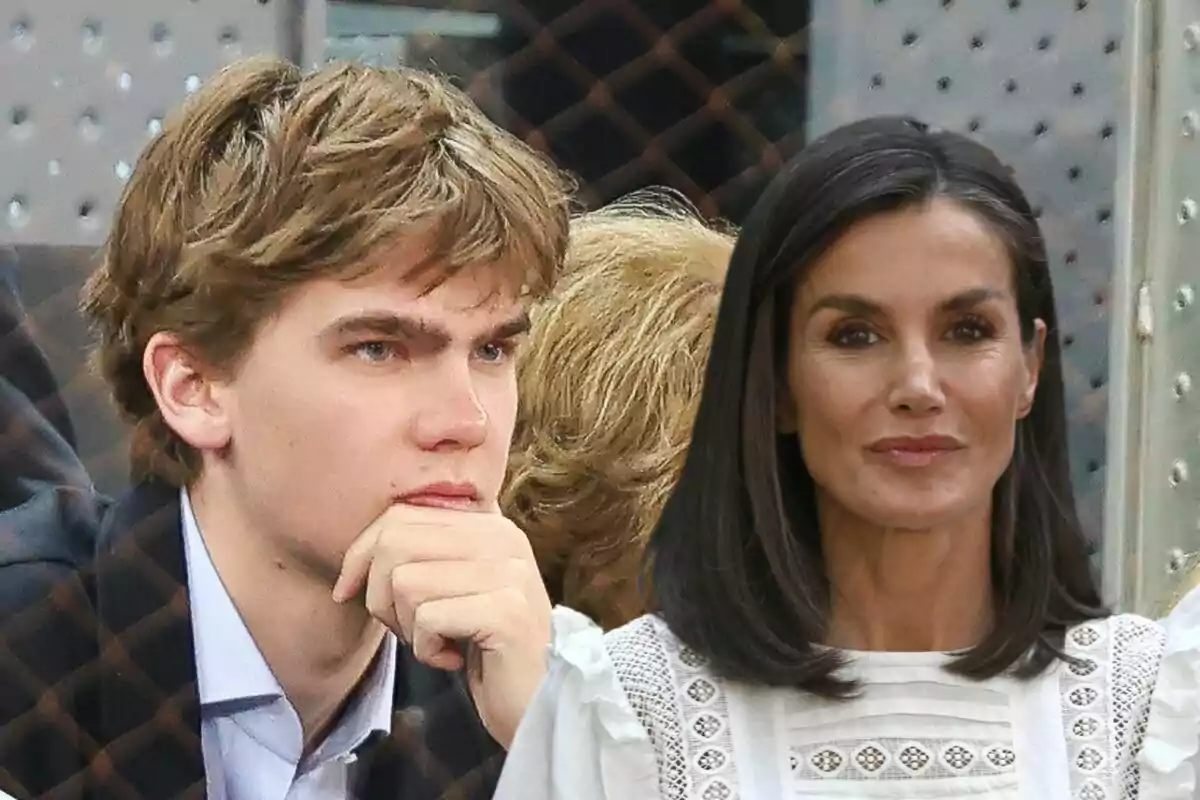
x,y
580,738
1169,756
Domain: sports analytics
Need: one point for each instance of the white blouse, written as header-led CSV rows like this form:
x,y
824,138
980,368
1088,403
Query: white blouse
x,y
634,714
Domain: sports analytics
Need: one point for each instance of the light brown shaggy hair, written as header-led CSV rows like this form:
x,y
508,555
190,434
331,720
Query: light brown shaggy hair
x,y
270,177
609,383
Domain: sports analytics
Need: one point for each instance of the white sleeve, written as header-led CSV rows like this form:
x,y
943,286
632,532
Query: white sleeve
x,y
1170,754
579,739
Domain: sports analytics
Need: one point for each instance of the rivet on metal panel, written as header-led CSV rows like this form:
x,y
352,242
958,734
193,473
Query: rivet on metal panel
x,y
1191,36
92,38
1183,385
1191,123
21,125
22,34
89,124
1184,297
1176,560
1179,473
18,211
1188,210
161,35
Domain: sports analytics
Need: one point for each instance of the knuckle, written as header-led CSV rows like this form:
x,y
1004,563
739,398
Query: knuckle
x,y
422,617
515,570
402,581
377,607
513,598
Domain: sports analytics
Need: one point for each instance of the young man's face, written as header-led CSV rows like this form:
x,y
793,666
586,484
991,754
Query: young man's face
x,y
359,394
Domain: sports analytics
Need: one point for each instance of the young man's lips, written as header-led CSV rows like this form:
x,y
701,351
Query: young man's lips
x,y
442,495
438,501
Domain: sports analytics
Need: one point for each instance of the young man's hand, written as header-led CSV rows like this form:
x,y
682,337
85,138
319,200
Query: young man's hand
x,y
464,590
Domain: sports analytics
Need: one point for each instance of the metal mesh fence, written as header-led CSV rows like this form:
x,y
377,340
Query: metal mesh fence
x,y
707,97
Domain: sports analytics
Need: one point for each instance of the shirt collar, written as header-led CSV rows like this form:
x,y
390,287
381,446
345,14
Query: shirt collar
x,y
231,669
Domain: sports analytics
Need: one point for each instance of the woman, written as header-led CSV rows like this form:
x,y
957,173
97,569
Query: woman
x,y
609,382
870,580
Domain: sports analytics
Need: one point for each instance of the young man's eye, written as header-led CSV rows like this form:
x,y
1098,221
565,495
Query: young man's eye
x,y
373,352
496,352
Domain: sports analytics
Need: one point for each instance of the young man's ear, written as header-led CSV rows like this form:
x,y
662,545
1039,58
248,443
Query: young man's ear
x,y
189,400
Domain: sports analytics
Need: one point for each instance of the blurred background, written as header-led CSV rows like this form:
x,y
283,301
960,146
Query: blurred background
x,y
1094,103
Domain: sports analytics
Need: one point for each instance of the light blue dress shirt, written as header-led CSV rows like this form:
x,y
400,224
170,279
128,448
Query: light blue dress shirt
x,y
251,735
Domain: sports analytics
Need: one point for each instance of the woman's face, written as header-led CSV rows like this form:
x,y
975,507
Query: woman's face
x,y
906,371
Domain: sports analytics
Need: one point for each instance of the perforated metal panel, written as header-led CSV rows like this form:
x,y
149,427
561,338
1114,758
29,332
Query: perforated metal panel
x,y
86,82
1040,82
1158,344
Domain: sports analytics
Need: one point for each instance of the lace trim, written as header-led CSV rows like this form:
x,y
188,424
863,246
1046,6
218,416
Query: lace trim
x,y
682,707
1106,699
1137,654
1105,705
900,759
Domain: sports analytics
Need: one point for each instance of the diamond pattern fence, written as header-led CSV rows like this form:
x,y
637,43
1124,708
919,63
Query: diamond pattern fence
x,y
706,97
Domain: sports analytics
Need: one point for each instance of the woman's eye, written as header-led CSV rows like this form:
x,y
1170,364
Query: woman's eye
x,y
972,330
854,337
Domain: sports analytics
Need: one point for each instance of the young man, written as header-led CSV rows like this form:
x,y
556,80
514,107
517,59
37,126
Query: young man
x,y
307,311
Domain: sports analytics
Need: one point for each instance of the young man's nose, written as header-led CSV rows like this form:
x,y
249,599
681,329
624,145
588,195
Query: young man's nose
x,y
452,415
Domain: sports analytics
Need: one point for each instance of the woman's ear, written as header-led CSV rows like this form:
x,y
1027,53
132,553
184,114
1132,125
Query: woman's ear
x,y
1035,355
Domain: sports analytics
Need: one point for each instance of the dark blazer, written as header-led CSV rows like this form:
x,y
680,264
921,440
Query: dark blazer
x,y
98,693
37,439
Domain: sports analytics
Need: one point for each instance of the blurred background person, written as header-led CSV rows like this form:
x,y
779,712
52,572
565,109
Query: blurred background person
x,y
608,384
37,435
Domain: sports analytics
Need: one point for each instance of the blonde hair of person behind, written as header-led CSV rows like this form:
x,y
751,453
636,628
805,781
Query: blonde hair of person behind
x,y
270,177
608,385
